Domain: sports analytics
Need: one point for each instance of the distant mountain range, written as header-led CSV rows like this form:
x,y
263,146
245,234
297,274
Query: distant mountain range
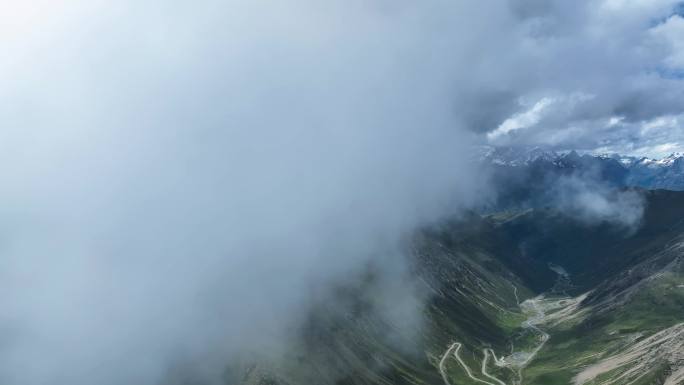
x,y
628,171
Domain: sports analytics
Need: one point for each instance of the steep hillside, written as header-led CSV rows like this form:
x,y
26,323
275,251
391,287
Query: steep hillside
x,y
471,296
529,297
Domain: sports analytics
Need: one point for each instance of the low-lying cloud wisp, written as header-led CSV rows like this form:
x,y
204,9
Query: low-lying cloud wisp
x,y
592,201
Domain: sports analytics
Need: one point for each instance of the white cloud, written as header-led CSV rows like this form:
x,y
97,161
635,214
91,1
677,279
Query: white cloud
x,y
179,177
623,53
671,32
615,120
545,120
522,119
590,201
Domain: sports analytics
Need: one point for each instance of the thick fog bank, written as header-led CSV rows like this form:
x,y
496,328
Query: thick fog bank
x,y
179,181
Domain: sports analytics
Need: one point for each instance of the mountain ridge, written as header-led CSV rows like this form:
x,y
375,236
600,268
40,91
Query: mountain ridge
x,y
620,170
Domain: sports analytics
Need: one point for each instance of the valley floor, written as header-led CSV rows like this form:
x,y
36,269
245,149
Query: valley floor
x,y
636,342
539,311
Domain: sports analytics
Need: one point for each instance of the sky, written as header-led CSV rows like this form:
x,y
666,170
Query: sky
x,y
600,76
179,177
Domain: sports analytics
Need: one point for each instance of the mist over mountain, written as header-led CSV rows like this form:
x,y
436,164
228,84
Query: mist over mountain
x,y
591,186
250,192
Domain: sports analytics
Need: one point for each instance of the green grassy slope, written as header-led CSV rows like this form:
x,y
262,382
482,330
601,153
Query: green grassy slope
x,y
471,271
470,300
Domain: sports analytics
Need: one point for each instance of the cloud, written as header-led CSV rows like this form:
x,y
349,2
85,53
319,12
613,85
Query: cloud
x,y
624,54
591,201
521,120
185,180
670,34
551,110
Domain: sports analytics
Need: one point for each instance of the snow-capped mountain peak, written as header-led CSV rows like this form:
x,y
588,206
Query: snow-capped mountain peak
x,y
650,173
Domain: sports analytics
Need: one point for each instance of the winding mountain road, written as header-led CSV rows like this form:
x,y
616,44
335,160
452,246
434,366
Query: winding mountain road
x,y
531,324
455,349
536,315
487,352
442,362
